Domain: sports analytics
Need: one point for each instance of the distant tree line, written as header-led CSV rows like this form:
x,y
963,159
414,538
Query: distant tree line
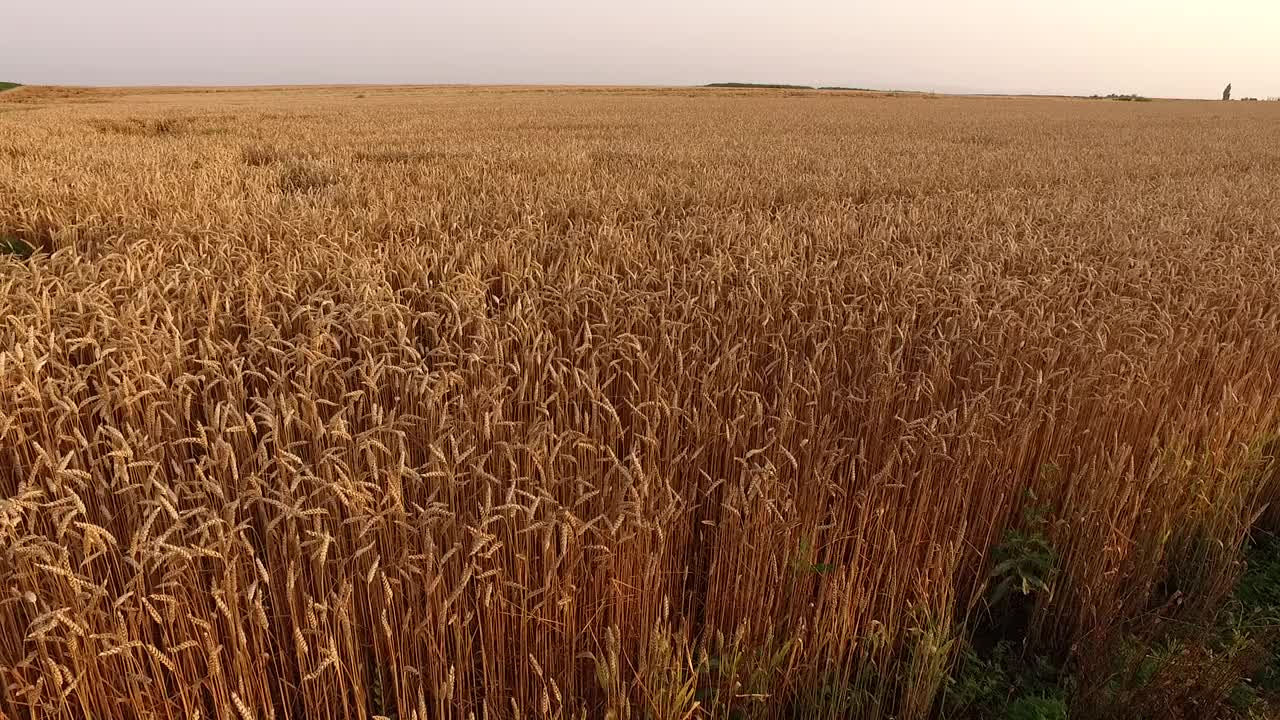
x,y
1123,98
760,86
775,86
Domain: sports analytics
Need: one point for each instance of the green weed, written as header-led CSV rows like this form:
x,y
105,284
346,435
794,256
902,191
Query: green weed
x,y
13,246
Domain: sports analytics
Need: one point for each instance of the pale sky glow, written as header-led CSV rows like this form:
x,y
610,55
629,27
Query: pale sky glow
x,y
1166,48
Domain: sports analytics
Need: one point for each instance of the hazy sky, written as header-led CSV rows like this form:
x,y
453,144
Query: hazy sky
x,y
1185,48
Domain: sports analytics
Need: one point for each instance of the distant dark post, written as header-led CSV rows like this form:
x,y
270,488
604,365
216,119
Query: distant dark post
x,y
1226,94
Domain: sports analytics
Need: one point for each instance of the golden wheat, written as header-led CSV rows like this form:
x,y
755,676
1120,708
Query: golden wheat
x,y
437,403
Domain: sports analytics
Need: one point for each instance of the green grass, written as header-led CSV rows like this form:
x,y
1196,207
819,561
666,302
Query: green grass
x,y
1258,598
9,86
1259,589
1229,668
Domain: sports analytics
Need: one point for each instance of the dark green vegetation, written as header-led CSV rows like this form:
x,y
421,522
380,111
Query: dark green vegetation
x,y
761,86
1166,665
14,246
1165,669
1122,98
9,86
772,86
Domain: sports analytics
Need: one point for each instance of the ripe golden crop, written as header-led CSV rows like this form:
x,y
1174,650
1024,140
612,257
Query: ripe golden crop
x,y
495,403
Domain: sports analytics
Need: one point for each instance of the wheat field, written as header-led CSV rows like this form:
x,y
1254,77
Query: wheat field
x,y
414,402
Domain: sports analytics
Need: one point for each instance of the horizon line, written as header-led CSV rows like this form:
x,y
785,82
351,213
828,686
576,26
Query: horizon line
x,y
717,85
